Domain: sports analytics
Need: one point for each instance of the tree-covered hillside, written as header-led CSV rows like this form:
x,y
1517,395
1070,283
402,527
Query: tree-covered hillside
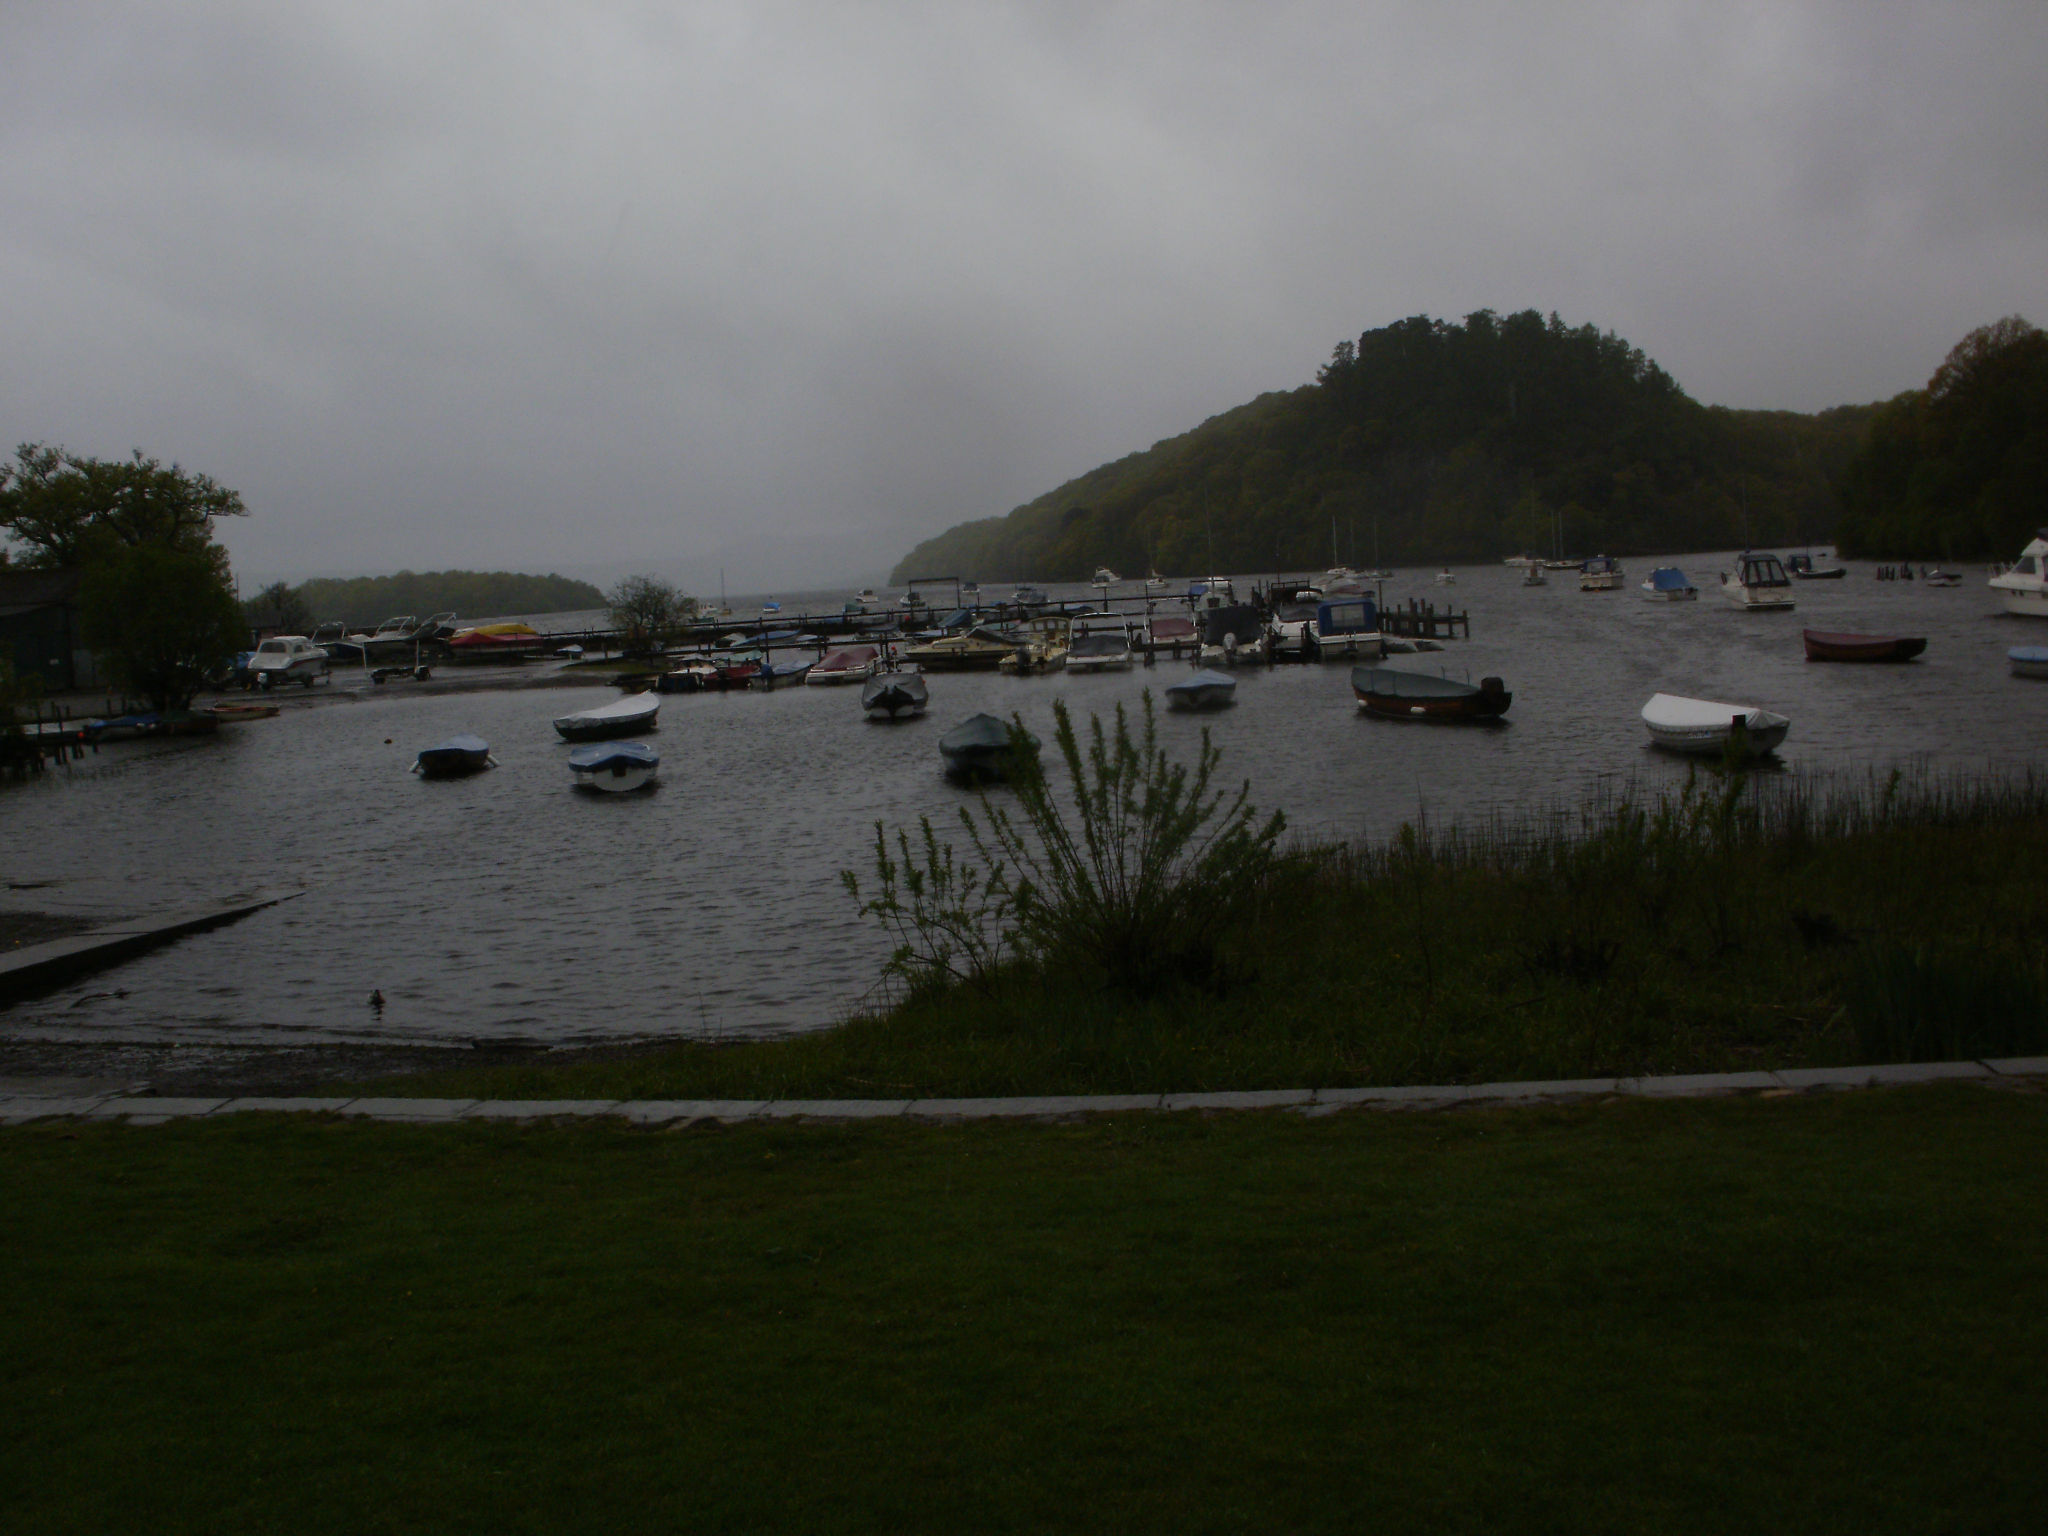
x,y
1958,470
1445,442
472,594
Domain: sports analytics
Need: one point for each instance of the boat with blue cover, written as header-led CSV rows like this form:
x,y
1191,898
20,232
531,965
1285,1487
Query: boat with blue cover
x,y
615,766
455,758
1668,584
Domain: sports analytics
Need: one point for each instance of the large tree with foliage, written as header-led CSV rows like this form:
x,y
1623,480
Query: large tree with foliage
x,y
162,617
62,509
279,607
1958,470
645,610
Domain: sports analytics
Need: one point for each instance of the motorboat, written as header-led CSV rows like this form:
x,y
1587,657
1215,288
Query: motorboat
x,y
1940,578
1396,695
982,748
1231,633
848,664
1157,585
981,649
786,671
1202,689
455,758
1821,646
1036,645
1812,568
2028,660
1030,597
1105,577
622,717
736,668
692,674
1347,629
1600,573
1705,726
236,713
1446,577
1171,633
1759,582
1532,575
616,767
285,659
1212,591
894,694
2023,586
866,597
394,634
496,642
1668,584
1289,627
1104,646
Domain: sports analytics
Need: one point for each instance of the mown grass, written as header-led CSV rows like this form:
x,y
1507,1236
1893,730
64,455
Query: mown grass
x,y
1744,924
1813,1314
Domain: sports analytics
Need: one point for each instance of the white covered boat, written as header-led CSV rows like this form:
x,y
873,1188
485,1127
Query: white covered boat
x,y
617,767
285,659
622,717
1703,726
1759,581
2023,586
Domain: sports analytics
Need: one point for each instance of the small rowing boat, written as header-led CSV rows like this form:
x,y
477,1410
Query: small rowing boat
x,y
1396,695
1679,724
1821,646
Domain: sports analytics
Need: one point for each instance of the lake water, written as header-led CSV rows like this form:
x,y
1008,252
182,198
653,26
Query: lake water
x,y
512,907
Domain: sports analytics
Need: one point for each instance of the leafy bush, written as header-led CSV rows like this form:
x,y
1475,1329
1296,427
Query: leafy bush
x,y
1134,871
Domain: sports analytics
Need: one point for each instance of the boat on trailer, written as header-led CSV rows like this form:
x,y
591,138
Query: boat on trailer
x,y
1704,726
455,758
616,767
622,717
1393,694
1822,646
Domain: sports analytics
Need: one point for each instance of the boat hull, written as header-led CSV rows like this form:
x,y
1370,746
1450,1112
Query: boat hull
x,y
1703,727
1391,694
2028,660
1205,690
615,770
629,717
981,749
895,696
1839,647
456,758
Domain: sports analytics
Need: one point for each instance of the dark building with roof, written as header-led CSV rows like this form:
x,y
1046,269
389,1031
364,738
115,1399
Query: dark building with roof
x,y
39,629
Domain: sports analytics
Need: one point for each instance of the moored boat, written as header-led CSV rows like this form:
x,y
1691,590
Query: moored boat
x,y
895,694
1203,689
848,664
282,659
1680,724
981,748
1171,633
615,767
1759,581
455,758
1396,695
1347,629
1600,573
1103,646
981,649
2023,586
2028,660
235,714
1821,646
622,717
496,642
1668,584
1806,568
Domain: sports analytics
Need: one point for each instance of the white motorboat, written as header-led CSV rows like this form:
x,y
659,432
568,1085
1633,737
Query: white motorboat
x,y
1532,575
1601,573
1446,577
285,659
1347,629
1668,584
616,767
1101,646
1759,581
622,717
2023,586
866,597
1290,625
1704,726
1203,690
1104,578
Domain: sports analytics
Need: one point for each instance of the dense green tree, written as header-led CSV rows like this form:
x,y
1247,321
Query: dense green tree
x,y
163,617
359,600
279,607
1436,441
61,509
1958,470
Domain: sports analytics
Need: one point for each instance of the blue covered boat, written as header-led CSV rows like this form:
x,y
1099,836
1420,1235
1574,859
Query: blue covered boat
x,y
1669,584
454,758
615,766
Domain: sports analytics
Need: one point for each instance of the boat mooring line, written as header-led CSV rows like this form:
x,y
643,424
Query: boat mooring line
x,y
142,1109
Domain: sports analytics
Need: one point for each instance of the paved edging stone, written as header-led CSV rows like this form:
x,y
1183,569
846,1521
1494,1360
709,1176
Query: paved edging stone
x,y
142,1109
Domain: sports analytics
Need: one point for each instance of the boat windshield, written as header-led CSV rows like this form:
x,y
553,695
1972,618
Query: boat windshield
x,y
2024,566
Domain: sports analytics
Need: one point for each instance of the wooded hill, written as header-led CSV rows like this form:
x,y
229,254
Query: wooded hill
x,y
1445,442
472,594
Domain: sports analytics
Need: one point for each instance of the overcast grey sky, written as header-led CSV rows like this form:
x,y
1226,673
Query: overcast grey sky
x,y
786,286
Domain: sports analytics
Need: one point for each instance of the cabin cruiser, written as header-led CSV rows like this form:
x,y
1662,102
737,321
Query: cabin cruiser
x,y
1036,645
1030,597
981,649
1290,623
1600,573
1347,629
1759,582
285,659
1101,646
1105,577
2023,586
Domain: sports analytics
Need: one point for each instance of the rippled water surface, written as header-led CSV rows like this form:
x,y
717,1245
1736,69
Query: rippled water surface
x,y
511,906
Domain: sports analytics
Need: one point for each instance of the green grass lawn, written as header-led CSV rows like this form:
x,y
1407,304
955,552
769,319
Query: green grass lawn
x,y
1793,1314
